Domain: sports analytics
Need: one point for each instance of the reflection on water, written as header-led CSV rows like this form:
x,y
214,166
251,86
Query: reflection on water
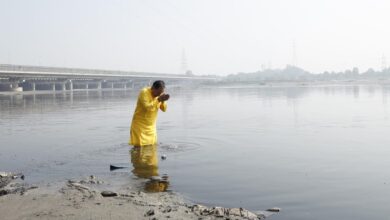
x,y
145,164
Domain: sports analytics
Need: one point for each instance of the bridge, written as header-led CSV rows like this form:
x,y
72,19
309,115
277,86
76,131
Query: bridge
x,y
33,78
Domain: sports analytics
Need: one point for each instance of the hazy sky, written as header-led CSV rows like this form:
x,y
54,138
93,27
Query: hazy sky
x,y
219,36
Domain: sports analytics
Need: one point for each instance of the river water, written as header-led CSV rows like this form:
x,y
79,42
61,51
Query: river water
x,y
317,152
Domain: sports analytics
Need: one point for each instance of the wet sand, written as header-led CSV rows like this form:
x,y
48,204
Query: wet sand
x,y
83,199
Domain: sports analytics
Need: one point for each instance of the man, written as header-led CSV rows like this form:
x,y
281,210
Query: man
x,y
143,126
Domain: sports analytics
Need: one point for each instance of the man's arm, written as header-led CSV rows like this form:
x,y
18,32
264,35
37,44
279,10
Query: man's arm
x,y
163,106
163,98
150,105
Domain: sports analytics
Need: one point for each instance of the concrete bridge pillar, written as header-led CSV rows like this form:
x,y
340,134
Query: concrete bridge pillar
x,y
125,86
99,85
86,86
70,85
63,86
112,85
53,87
33,86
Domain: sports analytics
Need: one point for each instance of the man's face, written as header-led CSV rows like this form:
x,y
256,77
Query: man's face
x,y
157,92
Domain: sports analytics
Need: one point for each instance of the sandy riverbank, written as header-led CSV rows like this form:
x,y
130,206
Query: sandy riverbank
x,y
86,199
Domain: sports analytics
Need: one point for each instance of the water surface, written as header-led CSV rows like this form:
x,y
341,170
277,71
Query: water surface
x,y
317,152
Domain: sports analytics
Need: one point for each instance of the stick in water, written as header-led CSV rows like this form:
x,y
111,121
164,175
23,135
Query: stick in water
x,y
117,166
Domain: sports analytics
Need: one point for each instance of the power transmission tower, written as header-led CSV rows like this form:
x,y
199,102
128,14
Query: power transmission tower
x,y
184,67
294,54
384,62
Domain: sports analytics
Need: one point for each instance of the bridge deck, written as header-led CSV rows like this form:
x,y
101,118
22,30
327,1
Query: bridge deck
x,y
75,73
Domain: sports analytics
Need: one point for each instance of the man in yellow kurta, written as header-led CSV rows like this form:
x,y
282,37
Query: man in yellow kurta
x,y
143,126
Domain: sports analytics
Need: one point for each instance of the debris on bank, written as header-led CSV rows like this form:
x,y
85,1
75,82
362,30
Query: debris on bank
x,y
8,186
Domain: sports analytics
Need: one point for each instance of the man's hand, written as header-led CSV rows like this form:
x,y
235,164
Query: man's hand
x,y
163,97
166,97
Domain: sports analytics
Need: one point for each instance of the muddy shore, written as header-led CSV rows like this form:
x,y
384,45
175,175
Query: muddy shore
x,y
89,199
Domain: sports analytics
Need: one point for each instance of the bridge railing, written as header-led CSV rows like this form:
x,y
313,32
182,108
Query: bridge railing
x,y
23,68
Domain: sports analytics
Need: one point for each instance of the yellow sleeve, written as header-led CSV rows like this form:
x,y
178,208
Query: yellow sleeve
x,y
146,102
163,106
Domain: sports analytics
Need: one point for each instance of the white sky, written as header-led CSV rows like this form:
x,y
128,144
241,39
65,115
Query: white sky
x,y
219,36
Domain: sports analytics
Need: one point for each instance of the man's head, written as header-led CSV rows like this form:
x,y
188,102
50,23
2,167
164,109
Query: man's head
x,y
158,88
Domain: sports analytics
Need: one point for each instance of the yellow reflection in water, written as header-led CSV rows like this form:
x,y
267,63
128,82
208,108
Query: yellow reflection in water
x,y
145,165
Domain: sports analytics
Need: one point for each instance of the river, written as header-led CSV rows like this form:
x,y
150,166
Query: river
x,y
317,152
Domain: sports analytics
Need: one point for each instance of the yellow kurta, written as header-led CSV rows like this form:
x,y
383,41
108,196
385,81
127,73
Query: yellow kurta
x,y
143,126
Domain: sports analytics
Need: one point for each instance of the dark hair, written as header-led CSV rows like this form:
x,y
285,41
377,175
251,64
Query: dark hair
x,y
158,84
